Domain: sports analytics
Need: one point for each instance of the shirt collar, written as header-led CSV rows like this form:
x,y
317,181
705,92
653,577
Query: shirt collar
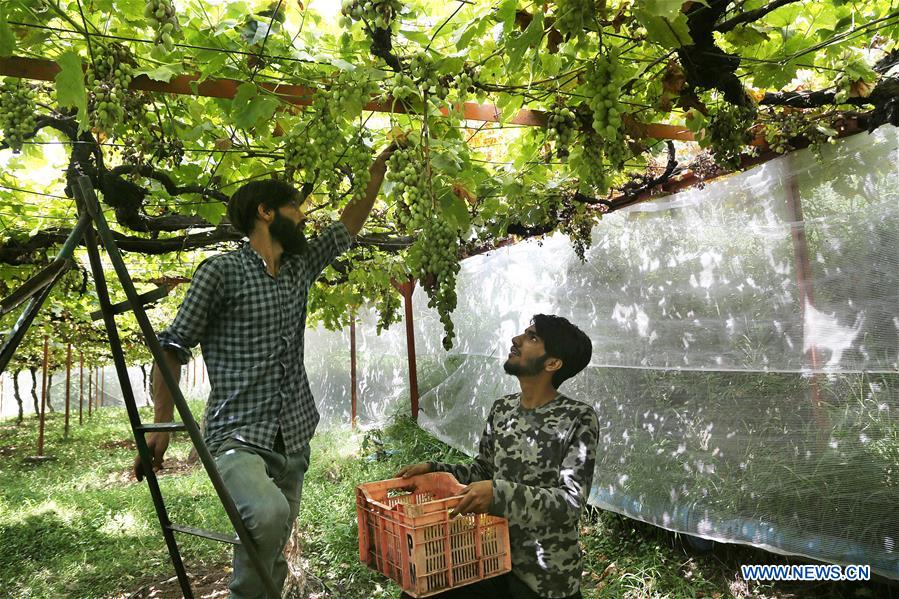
x,y
250,253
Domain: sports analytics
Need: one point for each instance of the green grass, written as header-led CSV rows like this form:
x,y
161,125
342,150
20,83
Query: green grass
x,y
77,526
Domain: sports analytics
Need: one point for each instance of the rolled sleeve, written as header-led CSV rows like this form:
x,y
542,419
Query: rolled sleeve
x,y
203,300
330,243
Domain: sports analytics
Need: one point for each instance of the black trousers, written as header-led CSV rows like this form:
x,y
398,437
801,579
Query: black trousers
x,y
507,586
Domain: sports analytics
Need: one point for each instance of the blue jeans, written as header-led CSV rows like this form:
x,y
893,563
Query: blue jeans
x,y
266,487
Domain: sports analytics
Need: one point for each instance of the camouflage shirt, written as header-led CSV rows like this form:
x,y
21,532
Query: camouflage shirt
x,y
541,462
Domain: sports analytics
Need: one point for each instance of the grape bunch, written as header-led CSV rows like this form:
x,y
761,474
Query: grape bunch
x,y
376,13
161,17
147,145
604,80
729,133
314,144
17,112
424,72
572,16
561,129
590,165
357,161
108,78
346,91
465,82
433,258
402,87
782,130
406,170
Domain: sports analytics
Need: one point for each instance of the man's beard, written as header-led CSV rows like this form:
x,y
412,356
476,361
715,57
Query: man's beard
x,y
529,368
289,234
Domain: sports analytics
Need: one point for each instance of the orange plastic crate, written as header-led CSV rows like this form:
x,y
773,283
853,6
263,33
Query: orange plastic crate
x,y
405,533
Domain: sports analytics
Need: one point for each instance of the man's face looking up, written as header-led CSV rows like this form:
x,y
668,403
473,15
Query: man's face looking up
x,y
527,355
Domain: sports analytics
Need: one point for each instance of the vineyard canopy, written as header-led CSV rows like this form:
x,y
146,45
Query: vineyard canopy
x,y
519,119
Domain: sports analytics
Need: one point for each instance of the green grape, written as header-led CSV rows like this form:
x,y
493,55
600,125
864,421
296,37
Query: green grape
x,y
604,80
729,133
18,116
782,130
161,17
465,82
313,145
402,87
380,14
424,73
433,258
573,15
561,127
108,78
406,169
357,159
319,145
590,165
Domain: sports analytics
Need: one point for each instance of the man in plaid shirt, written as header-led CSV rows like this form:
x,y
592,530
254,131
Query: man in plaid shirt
x,y
247,310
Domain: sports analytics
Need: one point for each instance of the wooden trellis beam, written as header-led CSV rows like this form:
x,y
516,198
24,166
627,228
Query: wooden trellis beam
x,y
42,69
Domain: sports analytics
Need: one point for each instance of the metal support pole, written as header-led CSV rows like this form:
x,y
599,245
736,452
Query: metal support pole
x,y
353,369
806,296
40,436
90,391
102,372
81,388
68,391
406,288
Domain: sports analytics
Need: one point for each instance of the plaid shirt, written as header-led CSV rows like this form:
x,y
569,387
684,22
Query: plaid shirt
x,y
250,326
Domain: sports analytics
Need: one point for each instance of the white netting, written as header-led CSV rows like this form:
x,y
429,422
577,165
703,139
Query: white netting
x,y
729,407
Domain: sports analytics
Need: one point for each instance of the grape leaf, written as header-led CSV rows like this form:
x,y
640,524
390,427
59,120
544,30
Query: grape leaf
x,y
668,9
7,37
670,33
70,90
163,72
249,108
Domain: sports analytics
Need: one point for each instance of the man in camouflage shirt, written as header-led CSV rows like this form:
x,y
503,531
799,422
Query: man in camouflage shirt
x,y
534,466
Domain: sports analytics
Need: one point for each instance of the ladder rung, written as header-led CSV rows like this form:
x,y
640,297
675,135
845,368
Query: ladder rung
x,y
145,298
162,427
206,534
